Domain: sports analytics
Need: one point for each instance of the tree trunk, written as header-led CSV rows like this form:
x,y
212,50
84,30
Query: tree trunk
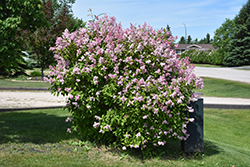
x,y
42,73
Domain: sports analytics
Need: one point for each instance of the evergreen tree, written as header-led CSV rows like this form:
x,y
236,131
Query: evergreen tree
x,y
239,46
208,40
189,40
182,40
168,27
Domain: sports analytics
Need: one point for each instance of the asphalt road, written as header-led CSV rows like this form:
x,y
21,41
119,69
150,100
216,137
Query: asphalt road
x,y
234,74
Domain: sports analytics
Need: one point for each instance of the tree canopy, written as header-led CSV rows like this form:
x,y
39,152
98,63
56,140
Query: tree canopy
x,y
222,37
182,40
239,45
189,39
14,16
38,43
206,40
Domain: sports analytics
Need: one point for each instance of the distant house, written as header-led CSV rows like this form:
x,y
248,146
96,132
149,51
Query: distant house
x,y
182,47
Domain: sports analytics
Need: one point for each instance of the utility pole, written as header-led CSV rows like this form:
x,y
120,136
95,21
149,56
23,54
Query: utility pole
x,y
185,35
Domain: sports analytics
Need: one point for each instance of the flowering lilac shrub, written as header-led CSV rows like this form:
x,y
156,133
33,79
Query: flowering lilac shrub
x,y
125,86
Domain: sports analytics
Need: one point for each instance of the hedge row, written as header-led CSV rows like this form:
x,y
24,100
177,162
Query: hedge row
x,y
214,57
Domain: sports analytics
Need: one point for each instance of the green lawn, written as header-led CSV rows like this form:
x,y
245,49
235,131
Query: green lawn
x,y
39,138
46,71
225,88
206,65
244,69
23,84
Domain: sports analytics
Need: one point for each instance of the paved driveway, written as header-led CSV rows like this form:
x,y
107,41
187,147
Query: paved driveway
x,y
20,99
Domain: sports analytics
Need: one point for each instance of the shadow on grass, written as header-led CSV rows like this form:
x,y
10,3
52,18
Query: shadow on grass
x,y
46,127
211,149
171,151
37,128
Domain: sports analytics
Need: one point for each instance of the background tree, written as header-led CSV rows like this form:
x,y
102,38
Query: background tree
x,y
222,37
59,4
16,15
38,42
196,40
202,41
168,28
208,40
239,45
182,40
75,23
189,39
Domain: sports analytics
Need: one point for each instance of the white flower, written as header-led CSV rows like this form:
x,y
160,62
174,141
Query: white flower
x,y
191,119
97,117
138,134
96,125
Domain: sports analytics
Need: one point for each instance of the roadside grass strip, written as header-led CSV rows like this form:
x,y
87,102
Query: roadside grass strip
x,y
224,88
23,84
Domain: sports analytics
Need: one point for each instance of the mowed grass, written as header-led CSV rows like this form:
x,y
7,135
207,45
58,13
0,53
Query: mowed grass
x,y
207,65
23,84
46,71
39,138
219,66
225,88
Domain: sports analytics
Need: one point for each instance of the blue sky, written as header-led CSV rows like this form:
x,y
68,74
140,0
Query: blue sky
x,y
200,16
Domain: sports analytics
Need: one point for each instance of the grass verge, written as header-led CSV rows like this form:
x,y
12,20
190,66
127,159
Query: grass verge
x,y
23,84
207,65
39,138
225,88
243,69
46,71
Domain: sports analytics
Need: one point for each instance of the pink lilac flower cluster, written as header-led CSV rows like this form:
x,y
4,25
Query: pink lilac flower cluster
x,y
136,70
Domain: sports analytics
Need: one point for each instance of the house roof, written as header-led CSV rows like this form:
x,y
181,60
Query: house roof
x,y
201,46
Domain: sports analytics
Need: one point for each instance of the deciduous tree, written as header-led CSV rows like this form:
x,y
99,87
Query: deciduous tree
x,y
222,37
16,15
39,42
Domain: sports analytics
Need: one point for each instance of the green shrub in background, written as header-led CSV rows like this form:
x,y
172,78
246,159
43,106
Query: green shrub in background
x,y
124,86
31,63
217,57
214,57
35,73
